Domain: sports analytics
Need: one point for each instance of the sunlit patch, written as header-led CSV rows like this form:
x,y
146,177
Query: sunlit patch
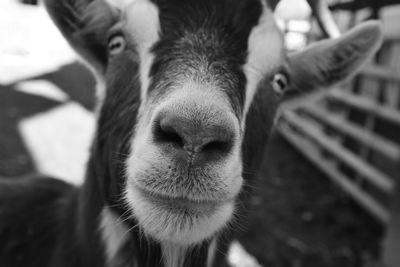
x,y
30,44
42,88
59,141
239,257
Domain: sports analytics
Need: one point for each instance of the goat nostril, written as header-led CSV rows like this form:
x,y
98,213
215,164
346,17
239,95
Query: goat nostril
x,y
167,134
198,137
217,146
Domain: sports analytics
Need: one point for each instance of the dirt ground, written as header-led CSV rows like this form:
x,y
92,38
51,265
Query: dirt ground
x,y
305,220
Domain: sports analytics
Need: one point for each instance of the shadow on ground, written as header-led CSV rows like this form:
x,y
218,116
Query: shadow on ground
x,y
73,79
305,220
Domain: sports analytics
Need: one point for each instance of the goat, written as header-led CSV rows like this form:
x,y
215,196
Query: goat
x,y
187,91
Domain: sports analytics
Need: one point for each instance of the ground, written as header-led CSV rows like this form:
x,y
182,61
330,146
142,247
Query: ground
x,y
305,220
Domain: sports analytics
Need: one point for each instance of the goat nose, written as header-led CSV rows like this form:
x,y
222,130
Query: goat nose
x,y
196,136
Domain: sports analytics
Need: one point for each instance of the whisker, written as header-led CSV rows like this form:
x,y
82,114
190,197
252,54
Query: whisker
x,y
130,229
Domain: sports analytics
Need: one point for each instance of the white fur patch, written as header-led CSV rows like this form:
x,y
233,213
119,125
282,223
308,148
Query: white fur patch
x,y
113,232
100,92
265,52
212,251
173,255
120,4
144,26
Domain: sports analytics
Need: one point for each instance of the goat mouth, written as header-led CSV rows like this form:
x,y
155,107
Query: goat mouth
x,y
179,220
181,205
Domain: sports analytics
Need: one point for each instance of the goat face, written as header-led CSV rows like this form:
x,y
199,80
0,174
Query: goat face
x,y
197,73
180,77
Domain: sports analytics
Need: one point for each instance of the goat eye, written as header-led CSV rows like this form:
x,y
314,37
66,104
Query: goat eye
x,y
279,83
116,44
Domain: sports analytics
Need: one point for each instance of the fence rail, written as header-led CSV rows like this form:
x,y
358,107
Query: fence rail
x,y
340,130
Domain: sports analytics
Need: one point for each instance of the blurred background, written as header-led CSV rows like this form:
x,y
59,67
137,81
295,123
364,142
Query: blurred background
x,y
327,190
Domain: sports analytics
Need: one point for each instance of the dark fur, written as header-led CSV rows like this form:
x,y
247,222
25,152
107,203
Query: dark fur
x,y
217,31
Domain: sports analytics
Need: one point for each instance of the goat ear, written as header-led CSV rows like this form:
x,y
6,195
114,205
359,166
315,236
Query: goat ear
x,y
330,61
84,23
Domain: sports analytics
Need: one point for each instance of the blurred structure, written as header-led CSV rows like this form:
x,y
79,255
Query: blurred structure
x,y
298,18
293,17
352,132
46,121
391,255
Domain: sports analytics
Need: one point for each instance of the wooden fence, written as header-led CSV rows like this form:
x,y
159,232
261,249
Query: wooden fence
x,y
352,133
